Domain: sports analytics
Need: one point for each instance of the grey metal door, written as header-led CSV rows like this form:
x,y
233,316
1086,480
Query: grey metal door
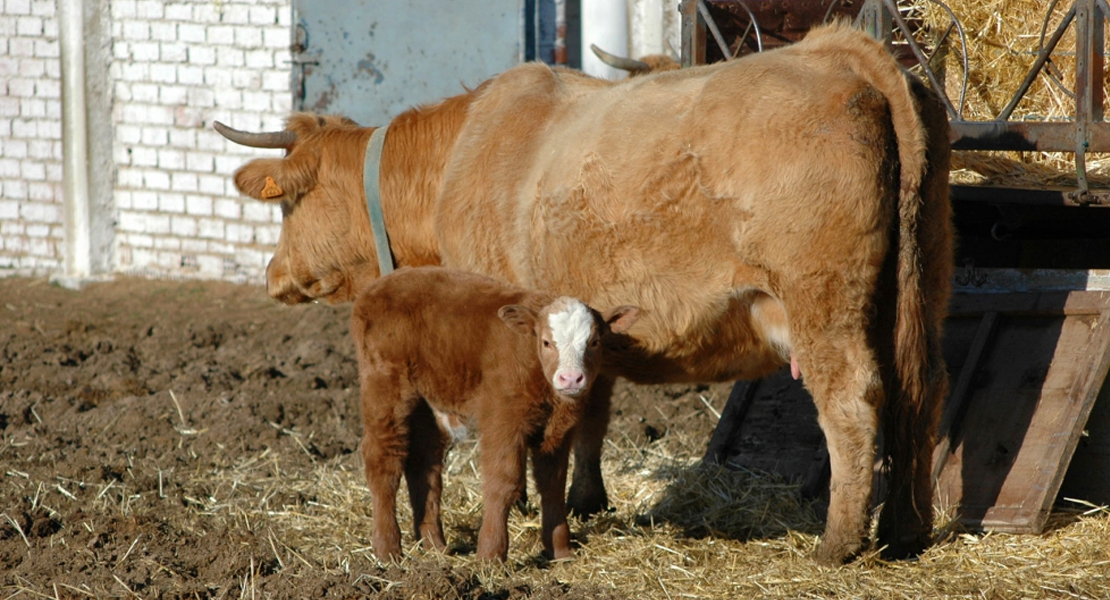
x,y
372,59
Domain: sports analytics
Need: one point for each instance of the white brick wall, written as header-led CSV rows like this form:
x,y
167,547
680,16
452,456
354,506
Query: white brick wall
x,y
31,226
176,66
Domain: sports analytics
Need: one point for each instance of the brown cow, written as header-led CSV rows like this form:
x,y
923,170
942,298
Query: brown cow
x,y
785,207
431,337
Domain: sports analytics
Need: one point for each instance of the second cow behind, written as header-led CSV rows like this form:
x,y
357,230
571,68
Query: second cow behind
x,y
439,348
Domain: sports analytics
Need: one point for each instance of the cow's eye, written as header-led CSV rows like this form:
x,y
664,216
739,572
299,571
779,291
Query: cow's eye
x,y
546,344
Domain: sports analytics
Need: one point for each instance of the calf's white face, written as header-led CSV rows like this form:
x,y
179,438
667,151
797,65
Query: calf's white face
x,y
569,338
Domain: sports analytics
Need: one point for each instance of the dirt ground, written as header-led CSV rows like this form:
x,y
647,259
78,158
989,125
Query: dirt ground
x,y
157,433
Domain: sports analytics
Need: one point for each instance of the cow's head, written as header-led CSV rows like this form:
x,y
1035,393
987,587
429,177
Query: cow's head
x,y
325,250
568,338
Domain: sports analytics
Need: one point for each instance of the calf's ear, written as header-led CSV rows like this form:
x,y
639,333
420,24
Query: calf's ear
x,y
519,318
621,318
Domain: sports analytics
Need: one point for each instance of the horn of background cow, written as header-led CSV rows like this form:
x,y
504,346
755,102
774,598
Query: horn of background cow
x,y
270,139
628,64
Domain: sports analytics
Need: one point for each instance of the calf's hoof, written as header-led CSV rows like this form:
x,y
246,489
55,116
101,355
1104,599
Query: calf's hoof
x,y
905,548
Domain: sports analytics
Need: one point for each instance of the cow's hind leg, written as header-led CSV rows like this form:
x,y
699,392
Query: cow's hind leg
x,y
384,447
842,374
909,436
424,475
587,489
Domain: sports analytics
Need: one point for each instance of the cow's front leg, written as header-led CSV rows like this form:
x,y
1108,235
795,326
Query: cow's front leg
x,y
424,475
587,488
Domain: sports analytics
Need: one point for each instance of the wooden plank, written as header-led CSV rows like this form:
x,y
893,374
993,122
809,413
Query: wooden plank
x,y
1031,303
1028,405
956,406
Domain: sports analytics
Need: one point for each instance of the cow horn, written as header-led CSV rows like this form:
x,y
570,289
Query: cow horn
x,y
270,139
627,64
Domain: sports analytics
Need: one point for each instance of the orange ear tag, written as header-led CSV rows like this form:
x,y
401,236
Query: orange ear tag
x,y
271,189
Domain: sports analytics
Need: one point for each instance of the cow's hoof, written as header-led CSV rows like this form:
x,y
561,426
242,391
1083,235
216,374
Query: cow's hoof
x,y
835,554
585,505
905,549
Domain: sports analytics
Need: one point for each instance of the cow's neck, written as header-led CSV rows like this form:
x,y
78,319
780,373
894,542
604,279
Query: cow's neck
x,y
413,162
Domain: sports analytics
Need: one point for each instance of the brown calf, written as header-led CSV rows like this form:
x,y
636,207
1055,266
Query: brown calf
x,y
439,347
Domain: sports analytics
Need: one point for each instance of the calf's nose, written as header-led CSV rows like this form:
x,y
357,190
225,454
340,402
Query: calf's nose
x,y
570,380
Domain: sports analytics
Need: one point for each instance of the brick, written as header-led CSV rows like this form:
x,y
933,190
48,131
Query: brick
x,y
32,68
221,35
54,109
122,9
17,7
260,59
262,15
186,116
50,28
248,37
198,205
21,88
129,178
171,203
184,182
9,107
183,138
211,184
48,88
14,148
144,200
51,130
155,136
163,32
173,95
168,244
229,57
257,101
276,37
174,52
194,245
135,72
136,31
156,224
128,134
41,192
32,108
258,212
9,66
217,77
43,8
239,233
21,47
276,81
32,171
24,128
231,99
47,49
9,209
121,155
149,9
122,199
36,230
198,162
190,75
201,97
228,209
247,79
144,51
206,13
29,26
192,33
236,14
7,30
156,180
202,55
144,92
121,49
179,12
183,226
210,228
163,73
40,149
171,159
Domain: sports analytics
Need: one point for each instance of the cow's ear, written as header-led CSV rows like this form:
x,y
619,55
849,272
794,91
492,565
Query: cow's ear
x,y
277,179
519,318
621,318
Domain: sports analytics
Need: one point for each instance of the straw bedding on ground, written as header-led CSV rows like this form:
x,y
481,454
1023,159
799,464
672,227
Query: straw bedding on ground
x,y
196,440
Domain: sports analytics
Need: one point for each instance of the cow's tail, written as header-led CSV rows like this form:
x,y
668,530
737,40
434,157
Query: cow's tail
x,y
912,408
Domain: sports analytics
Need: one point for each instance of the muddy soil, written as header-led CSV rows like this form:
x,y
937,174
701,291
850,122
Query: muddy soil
x,y
119,403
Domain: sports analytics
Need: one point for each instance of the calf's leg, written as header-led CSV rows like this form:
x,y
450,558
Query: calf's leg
x,y
424,475
550,472
502,457
384,446
587,489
